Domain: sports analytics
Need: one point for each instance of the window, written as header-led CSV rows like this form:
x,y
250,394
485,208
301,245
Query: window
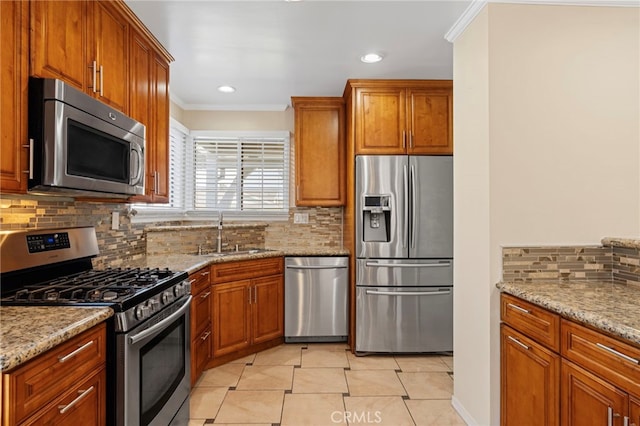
x,y
243,173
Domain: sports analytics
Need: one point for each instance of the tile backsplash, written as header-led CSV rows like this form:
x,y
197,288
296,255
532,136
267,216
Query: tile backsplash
x,y
130,241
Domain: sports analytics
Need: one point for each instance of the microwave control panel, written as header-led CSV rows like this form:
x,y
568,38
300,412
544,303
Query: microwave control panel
x,y
47,242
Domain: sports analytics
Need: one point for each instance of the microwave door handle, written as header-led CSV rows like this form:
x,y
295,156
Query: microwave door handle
x,y
138,151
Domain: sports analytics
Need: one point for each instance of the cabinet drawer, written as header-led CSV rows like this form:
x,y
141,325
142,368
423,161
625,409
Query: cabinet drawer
x,y
538,323
199,280
236,271
603,355
36,383
200,311
201,352
82,405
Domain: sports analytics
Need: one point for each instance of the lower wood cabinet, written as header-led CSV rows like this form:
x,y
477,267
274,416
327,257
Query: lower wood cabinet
x,y
530,383
590,379
247,311
200,322
63,386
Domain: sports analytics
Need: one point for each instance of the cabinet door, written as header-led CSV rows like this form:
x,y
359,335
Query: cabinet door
x,y
59,41
231,317
267,308
158,142
200,354
200,312
430,121
110,50
634,411
320,151
380,119
14,17
587,400
530,381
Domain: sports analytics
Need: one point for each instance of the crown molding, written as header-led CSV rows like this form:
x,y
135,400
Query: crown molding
x,y
476,6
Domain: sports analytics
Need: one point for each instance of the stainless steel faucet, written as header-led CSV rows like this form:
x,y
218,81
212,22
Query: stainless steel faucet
x,y
219,238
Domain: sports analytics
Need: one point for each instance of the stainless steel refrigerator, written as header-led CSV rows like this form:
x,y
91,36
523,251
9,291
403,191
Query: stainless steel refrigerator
x,y
404,251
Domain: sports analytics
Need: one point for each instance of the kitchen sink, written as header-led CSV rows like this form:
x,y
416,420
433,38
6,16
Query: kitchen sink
x,y
233,253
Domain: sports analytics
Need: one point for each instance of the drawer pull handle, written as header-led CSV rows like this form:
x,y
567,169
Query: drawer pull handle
x,y
205,295
620,354
518,308
204,274
76,352
64,408
518,342
205,336
192,281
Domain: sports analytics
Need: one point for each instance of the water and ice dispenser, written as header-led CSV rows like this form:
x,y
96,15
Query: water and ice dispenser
x,y
376,218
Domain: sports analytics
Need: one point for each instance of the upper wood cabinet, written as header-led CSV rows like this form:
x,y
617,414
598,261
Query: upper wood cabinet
x,y
14,19
320,151
401,116
84,43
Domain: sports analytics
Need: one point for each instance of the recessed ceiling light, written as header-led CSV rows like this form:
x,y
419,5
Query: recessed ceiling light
x,y
371,58
226,89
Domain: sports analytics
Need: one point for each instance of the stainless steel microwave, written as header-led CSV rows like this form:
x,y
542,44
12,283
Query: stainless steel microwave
x,y
79,146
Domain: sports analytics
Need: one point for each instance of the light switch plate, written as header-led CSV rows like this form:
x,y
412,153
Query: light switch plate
x,y
301,218
115,221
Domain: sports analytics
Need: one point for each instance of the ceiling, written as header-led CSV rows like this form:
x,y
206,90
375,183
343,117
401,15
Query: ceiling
x,y
271,50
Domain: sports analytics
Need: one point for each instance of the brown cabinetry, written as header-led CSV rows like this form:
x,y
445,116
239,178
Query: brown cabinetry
x,y
65,385
248,304
200,322
599,376
14,19
84,43
401,116
530,369
320,151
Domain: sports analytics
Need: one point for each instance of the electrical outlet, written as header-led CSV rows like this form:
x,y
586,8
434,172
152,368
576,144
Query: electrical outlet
x,y
115,220
301,218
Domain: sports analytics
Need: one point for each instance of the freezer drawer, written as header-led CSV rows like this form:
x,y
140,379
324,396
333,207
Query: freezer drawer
x,y
404,320
404,272
315,299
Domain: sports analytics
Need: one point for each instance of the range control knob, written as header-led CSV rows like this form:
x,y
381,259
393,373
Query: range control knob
x,y
166,297
141,312
151,305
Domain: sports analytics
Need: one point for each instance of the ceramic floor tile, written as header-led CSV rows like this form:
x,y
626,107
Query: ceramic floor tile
x,y
434,412
319,380
449,361
266,377
421,363
313,410
372,362
205,402
197,422
374,383
324,358
244,360
280,355
224,375
378,410
251,406
434,385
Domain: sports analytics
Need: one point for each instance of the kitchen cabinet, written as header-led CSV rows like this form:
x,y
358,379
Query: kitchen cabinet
x,y
530,371
149,104
65,385
599,375
86,46
200,322
248,304
14,17
320,151
401,116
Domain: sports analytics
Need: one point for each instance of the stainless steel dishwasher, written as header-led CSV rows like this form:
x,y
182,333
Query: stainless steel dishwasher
x,y
315,299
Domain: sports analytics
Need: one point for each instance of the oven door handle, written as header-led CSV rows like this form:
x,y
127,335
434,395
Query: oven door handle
x,y
162,324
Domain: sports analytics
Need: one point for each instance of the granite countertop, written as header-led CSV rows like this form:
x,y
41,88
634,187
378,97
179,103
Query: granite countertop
x,y
611,307
28,331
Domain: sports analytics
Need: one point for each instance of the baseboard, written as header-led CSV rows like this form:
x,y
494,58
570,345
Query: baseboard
x,y
462,412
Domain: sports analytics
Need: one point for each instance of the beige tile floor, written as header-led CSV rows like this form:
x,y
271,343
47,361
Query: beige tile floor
x,y
324,384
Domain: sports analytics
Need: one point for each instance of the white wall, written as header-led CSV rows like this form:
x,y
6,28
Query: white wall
x,y
547,151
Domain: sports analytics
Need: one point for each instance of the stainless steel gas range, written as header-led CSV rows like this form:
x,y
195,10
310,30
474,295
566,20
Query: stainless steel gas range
x,y
148,338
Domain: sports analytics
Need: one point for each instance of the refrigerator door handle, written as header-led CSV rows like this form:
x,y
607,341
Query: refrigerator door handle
x,y
405,231
408,265
412,184
408,293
